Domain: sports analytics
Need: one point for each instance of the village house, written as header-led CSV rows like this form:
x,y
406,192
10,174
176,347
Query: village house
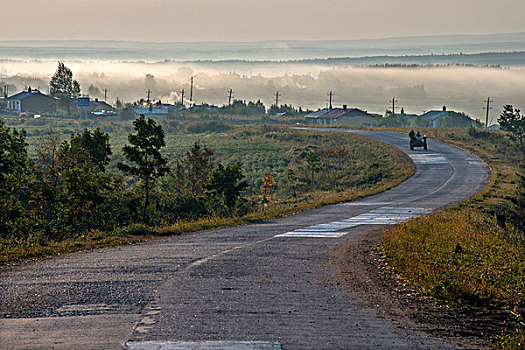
x,y
151,112
341,116
31,101
101,109
445,118
167,106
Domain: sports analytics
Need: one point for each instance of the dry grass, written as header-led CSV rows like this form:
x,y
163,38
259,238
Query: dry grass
x,y
463,256
460,256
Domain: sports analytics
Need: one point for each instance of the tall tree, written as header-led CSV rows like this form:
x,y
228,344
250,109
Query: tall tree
x,y
225,184
83,161
144,153
63,86
199,163
94,91
513,121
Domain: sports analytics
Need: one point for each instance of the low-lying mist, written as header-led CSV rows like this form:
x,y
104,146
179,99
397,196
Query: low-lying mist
x,y
417,89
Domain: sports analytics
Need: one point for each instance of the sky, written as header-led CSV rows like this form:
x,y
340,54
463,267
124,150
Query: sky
x,y
254,20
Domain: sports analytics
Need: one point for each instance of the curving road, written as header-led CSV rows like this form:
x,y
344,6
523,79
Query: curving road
x,y
252,287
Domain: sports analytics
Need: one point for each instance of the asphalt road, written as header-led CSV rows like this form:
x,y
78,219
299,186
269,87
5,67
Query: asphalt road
x,y
262,286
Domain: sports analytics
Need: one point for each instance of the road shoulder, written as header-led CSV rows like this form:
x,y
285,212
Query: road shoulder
x,y
361,268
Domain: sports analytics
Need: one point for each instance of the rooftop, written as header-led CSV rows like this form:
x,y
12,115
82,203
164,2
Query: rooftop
x,y
25,94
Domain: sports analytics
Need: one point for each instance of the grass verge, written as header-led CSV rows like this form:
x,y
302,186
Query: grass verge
x,y
471,255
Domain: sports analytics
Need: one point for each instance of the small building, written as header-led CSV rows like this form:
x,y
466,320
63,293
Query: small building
x,y
101,109
312,118
151,112
448,119
341,116
167,106
432,117
402,115
204,107
31,101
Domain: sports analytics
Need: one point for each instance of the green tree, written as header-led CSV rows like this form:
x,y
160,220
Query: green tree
x,y
118,103
83,162
239,107
94,91
314,163
89,148
513,121
292,180
274,109
63,86
15,181
144,153
225,185
126,113
199,163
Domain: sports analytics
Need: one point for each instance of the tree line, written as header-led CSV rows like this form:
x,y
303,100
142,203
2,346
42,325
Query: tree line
x,y
66,190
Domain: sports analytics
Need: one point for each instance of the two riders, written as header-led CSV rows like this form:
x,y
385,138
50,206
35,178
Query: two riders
x,y
417,140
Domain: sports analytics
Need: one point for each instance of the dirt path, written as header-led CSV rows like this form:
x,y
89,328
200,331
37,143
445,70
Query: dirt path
x,y
361,268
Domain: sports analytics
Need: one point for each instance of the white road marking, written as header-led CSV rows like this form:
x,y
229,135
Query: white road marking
x,y
353,204
428,158
313,234
379,216
203,345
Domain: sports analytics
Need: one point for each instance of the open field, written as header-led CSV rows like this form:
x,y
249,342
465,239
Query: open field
x,y
328,178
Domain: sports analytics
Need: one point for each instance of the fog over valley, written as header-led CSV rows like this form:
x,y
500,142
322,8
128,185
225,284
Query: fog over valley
x,y
362,73
416,88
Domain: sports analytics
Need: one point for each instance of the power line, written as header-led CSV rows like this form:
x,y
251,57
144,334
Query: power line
x,y
488,108
230,97
191,91
393,105
331,95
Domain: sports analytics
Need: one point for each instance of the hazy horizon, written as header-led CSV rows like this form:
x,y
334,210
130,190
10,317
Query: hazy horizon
x,y
277,50
302,71
252,20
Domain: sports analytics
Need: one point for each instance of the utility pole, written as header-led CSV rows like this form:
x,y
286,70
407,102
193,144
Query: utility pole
x,y
105,94
331,94
149,92
182,96
488,108
230,97
6,90
393,105
277,99
191,91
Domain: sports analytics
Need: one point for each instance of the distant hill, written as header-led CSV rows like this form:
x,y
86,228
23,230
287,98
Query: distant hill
x,y
493,59
264,50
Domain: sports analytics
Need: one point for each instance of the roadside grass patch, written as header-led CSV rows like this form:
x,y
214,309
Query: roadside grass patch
x,y
472,254
460,256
